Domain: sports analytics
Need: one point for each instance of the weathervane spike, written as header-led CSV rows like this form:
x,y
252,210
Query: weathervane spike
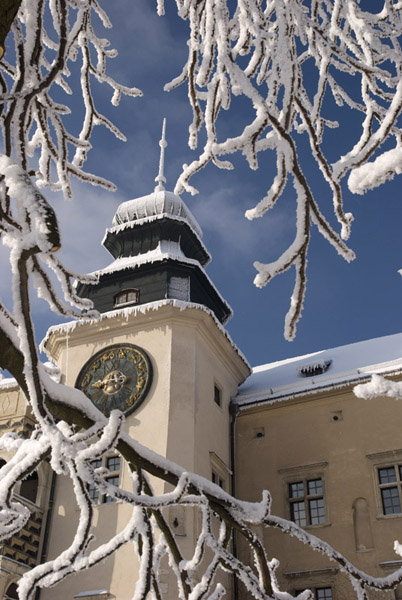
x,y
160,180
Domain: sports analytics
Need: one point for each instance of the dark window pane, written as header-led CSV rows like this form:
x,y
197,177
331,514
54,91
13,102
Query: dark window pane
x,y
113,463
323,593
93,493
314,487
217,396
29,487
296,490
390,501
126,296
96,463
298,513
317,511
387,475
12,592
113,481
216,479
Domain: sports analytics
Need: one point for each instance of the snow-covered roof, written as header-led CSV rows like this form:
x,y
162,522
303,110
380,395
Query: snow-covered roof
x,y
139,222
160,202
9,383
129,311
322,370
166,249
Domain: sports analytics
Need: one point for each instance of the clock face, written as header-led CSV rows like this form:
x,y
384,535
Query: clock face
x,y
117,377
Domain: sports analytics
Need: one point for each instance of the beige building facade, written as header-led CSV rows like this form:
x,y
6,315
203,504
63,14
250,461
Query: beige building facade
x,y
332,462
160,352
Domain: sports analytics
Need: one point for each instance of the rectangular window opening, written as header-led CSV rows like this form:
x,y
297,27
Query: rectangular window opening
x,y
306,502
217,396
217,480
112,464
390,483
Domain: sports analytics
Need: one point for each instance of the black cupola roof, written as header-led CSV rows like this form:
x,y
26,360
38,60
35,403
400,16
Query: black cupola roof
x,y
158,254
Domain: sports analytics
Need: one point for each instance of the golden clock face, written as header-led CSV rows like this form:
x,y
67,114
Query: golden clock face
x,y
117,377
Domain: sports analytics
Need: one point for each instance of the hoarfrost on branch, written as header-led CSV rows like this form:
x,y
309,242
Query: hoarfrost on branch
x,y
259,51
293,61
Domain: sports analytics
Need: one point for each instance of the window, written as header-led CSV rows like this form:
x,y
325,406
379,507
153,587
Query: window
x,y
216,479
314,369
12,592
220,472
179,288
390,481
217,396
112,464
320,593
129,296
306,500
29,487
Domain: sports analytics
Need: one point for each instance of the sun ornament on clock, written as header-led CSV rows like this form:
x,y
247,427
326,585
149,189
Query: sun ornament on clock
x,y
117,377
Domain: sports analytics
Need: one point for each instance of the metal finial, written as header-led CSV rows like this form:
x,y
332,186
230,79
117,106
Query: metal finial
x,y
161,179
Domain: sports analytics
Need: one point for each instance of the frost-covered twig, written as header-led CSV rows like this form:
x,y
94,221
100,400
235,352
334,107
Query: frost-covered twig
x,y
288,59
47,37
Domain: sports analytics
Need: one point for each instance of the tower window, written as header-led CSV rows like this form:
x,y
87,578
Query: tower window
x,y
179,288
126,297
217,396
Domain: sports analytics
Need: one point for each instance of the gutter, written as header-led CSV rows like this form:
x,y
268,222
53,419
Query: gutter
x,y
234,411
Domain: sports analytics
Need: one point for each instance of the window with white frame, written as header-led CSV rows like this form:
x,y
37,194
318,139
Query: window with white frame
x,y
306,501
390,483
111,464
125,297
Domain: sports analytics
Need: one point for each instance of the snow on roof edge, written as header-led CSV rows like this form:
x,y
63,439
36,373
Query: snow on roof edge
x,y
144,220
161,257
348,364
261,399
142,309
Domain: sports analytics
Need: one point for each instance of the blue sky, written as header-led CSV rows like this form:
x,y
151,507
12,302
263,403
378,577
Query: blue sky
x,y
344,302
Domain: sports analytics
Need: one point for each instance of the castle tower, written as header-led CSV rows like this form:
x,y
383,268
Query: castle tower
x,y
159,352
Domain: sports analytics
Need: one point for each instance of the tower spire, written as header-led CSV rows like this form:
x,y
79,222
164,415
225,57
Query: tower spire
x,y
161,179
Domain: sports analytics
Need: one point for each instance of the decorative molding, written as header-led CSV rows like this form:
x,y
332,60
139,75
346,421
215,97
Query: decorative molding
x,y
303,468
312,573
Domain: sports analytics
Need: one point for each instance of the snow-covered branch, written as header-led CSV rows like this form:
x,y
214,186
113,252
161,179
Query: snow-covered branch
x,y
261,51
48,36
291,61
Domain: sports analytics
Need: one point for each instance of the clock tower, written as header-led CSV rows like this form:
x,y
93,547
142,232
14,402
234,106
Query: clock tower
x,y
158,352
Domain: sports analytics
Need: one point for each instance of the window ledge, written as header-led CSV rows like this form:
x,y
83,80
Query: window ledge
x,y
393,516
328,524
125,304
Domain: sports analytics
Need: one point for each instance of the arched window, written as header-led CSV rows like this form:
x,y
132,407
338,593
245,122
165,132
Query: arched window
x,y
11,593
125,297
29,487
